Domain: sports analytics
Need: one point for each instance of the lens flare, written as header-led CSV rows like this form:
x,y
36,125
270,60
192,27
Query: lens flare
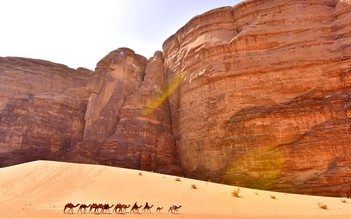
x,y
163,93
136,68
258,168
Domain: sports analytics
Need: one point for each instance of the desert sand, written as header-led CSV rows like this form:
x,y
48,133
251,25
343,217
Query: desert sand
x,y
41,189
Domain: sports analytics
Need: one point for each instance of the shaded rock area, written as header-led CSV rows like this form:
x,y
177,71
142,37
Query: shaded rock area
x,y
42,108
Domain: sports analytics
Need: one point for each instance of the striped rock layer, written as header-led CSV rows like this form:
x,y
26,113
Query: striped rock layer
x,y
265,96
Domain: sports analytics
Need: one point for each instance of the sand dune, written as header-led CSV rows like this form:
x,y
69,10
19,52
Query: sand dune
x,y
40,189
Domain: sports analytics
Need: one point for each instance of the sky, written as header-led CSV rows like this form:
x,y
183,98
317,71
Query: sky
x,y
79,33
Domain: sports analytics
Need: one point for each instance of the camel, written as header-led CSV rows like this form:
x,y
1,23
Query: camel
x,y
83,206
174,209
100,206
147,207
96,207
118,206
135,208
124,207
107,208
121,208
70,206
159,209
93,206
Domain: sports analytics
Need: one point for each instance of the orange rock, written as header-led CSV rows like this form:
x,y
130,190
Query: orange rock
x,y
265,98
128,122
42,106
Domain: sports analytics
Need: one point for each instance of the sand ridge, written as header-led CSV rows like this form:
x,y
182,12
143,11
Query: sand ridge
x,y
40,189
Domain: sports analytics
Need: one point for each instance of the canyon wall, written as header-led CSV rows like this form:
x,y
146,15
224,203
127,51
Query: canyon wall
x,y
42,107
265,96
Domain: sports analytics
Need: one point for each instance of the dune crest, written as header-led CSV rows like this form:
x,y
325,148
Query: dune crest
x,y
42,188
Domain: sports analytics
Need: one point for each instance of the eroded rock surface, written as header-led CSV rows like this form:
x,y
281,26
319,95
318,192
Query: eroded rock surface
x,y
42,107
267,90
128,122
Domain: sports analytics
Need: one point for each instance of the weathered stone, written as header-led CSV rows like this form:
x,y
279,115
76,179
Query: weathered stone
x,y
128,120
42,107
112,82
265,98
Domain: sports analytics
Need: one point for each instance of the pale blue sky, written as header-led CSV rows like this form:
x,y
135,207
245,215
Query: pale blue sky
x,y
81,32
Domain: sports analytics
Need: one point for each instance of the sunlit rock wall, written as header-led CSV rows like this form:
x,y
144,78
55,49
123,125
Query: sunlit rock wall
x,y
265,96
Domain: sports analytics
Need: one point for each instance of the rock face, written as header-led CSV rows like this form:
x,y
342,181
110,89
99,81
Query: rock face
x,y
128,122
265,96
42,106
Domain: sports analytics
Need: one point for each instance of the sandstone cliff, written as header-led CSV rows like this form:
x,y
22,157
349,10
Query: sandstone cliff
x,y
42,106
128,122
267,90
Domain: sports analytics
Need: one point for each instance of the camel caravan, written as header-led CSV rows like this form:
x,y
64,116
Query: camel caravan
x,y
118,208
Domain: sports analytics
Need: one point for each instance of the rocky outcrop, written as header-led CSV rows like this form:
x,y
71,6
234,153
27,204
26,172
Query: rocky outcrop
x,y
264,100
42,106
128,122
112,82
